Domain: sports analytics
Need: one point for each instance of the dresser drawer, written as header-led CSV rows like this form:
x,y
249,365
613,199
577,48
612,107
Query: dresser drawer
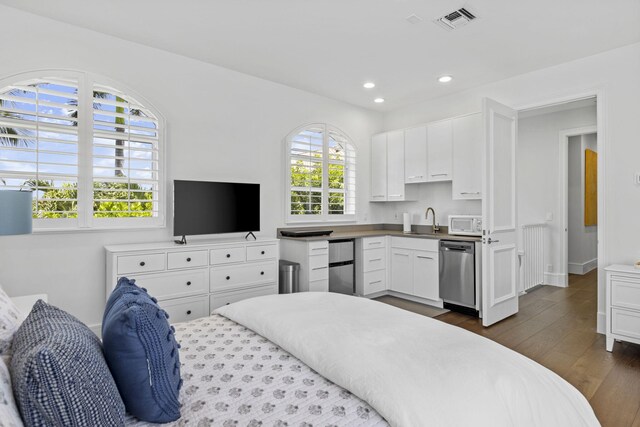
x,y
256,253
320,247
374,281
374,259
174,284
242,275
225,298
624,322
373,242
187,259
426,244
186,309
625,292
142,263
318,267
319,286
228,255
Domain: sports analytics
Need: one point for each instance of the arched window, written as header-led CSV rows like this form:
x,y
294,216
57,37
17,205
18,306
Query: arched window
x,y
91,153
321,175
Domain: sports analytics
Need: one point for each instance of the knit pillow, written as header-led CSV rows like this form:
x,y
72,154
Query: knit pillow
x,y
9,414
60,377
142,353
9,322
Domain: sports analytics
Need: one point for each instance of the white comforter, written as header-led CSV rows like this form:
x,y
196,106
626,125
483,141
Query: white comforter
x,y
415,371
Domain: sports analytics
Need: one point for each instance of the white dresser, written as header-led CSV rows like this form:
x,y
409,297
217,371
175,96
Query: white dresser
x,y
191,281
623,304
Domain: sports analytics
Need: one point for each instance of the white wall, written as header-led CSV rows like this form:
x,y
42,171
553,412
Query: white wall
x,y
538,177
221,125
615,75
583,240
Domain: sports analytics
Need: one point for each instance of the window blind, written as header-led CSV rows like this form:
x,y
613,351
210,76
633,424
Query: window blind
x,y
39,144
306,163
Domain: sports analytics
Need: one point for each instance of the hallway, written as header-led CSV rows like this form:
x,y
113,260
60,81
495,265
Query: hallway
x,y
557,328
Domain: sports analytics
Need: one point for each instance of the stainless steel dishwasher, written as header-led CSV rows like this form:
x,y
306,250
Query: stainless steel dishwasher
x,y
458,274
341,271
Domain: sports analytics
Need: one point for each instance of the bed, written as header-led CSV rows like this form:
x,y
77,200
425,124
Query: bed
x,y
324,359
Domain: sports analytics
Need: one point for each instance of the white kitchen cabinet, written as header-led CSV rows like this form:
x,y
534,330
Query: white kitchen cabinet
x,y
379,168
415,155
313,257
426,275
439,151
387,168
467,155
371,264
402,271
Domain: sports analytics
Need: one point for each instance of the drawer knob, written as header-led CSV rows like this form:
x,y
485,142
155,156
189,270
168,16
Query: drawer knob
x,y
188,312
262,273
228,277
188,259
228,255
142,263
188,283
262,253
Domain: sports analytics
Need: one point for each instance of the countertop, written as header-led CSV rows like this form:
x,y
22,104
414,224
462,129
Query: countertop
x,y
355,234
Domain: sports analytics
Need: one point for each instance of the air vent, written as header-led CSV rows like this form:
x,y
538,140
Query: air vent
x,y
456,19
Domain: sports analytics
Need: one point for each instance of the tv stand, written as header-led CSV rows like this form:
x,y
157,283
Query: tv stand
x,y
182,241
250,234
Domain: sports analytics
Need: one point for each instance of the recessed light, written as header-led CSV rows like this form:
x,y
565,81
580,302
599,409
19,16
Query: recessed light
x,y
378,100
445,79
369,85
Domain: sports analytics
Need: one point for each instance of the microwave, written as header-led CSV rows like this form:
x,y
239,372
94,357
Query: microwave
x,y
465,225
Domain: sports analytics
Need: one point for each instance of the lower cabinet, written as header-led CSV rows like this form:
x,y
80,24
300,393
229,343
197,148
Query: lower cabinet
x,y
313,257
622,304
415,267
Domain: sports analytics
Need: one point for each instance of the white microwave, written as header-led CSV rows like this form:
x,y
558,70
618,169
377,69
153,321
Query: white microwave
x,y
465,225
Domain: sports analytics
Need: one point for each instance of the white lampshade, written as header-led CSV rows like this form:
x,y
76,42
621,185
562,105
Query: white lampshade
x,y
15,212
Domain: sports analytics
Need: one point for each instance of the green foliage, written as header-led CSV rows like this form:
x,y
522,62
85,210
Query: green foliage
x,y
111,200
308,175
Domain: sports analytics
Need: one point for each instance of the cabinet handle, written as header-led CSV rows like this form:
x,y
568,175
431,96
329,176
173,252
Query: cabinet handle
x,y
228,277
415,176
318,249
142,263
377,281
424,257
395,195
188,283
228,255
401,254
188,312
262,253
375,259
262,273
470,192
188,259
374,243
320,268
439,174
378,195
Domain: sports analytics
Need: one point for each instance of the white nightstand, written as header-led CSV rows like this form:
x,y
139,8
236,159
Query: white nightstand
x,y
623,304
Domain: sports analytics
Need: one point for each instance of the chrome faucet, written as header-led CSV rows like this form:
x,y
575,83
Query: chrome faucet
x,y
434,227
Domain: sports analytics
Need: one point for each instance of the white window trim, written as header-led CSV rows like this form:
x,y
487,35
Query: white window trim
x,y
85,220
324,217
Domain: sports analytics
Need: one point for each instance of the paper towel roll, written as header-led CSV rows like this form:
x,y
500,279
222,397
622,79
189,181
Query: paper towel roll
x,y
406,220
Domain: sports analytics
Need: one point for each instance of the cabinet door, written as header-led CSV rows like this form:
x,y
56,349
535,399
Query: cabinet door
x,y
439,150
402,271
395,165
415,155
426,275
467,155
379,168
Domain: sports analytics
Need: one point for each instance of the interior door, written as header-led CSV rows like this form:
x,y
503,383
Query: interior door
x,y
499,249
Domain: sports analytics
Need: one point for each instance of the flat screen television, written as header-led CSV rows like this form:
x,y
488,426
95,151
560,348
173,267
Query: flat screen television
x,y
203,207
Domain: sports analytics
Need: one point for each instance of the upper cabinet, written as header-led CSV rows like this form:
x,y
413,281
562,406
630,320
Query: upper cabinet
x,y
387,168
439,151
415,155
467,157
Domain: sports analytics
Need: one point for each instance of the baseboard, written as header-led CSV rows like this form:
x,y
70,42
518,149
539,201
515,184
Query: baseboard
x,y
601,323
583,268
556,279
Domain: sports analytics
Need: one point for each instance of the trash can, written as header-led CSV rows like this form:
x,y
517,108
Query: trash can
x,y
289,277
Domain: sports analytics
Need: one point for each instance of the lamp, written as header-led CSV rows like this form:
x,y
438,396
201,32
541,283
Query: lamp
x,y
15,212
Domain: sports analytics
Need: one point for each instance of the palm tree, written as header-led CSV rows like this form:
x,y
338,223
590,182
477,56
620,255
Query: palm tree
x,y
10,136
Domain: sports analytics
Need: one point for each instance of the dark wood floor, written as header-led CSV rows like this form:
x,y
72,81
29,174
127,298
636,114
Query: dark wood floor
x,y
557,328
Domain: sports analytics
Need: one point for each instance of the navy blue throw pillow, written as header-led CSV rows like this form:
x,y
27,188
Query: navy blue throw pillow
x,y
60,377
142,353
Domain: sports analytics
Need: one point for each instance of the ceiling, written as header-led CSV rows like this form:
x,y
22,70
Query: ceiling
x,y
331,47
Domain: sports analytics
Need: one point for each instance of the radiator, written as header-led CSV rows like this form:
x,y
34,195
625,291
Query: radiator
x,y
532,255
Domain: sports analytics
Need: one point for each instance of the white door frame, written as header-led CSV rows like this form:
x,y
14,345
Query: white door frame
x,y
603,259
563,178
